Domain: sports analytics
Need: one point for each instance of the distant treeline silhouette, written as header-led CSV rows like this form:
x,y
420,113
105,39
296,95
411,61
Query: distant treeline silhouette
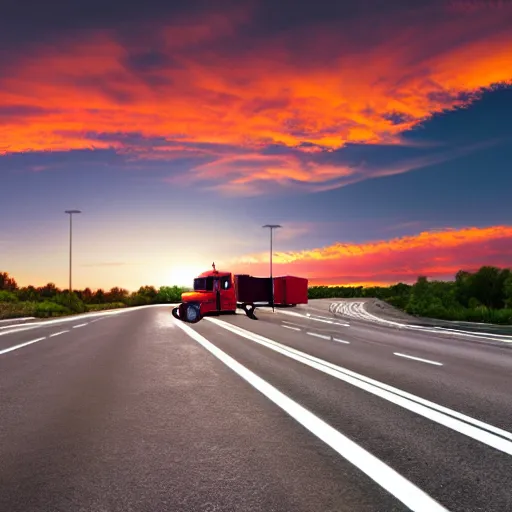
x,y
49,300
481,296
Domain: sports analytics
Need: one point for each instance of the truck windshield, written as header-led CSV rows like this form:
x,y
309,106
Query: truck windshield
x,y
203,284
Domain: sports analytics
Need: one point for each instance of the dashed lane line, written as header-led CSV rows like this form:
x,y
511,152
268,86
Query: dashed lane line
x,y
428,361
21,345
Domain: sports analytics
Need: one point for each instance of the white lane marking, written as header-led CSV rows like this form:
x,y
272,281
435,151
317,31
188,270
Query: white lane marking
x,y
290,327
323,336
292,323
358,310
57,334
22,319
455,420
15,330
341,341
79,325
418,359
483,336
103,315
21,345
330,318
506,337
401,488
309,317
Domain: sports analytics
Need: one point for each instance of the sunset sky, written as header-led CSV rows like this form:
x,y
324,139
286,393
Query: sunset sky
x,y
377,133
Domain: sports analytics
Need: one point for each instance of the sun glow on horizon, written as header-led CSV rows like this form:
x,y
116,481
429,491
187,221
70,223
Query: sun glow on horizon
x,y
183,275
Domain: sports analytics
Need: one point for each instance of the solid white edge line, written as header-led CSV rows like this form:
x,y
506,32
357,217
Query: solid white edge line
x,y
57,334
323,336
21,345
79,325
102,314
341,341
290,327
428,361
394,483
22,319
454,420
440,330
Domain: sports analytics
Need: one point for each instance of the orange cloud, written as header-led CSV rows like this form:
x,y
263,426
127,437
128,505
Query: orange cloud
x,y
436,254
331,90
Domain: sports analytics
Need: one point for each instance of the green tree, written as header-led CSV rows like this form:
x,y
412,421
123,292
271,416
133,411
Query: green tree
x,y
28,293
86,295
463,287
7,282
98,297
487,286
168,294
70,301
507,291
48,291
116,295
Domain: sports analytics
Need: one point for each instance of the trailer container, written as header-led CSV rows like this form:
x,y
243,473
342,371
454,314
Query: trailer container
x,y
290,290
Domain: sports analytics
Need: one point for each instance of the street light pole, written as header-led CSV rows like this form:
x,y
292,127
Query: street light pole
x,y
71,212
272,227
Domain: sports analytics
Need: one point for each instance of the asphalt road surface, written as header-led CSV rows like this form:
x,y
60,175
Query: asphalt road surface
x,y
300,410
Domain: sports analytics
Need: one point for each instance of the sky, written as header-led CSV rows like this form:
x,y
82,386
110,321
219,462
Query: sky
x,y
377,133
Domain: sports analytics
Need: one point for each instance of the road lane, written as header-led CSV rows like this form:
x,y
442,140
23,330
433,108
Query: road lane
x,y
131,414
478,388
394,483
459,472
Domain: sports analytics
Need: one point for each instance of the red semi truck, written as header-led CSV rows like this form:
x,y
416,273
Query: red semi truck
x,y
218,292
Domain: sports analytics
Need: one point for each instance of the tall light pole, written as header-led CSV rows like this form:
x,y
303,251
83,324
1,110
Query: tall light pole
x,y
71,212
272,227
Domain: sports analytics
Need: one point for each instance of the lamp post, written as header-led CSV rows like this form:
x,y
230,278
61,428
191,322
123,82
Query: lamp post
x,y
71,212
272,227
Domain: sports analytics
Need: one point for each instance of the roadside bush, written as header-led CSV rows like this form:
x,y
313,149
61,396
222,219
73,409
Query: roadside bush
x,y
102,307
167,294
16,309
398,302
70,301
6,296
48,308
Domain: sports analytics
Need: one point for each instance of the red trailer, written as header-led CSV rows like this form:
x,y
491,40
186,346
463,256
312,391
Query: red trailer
x,y
290,290
218,292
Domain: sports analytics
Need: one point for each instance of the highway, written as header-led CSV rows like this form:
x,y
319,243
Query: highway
x,y
300,410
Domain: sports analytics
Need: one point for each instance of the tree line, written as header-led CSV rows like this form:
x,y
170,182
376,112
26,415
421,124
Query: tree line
x,y
49,300
481,296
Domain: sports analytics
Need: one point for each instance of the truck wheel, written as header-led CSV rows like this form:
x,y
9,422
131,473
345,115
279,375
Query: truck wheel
x,y
192,313
187,312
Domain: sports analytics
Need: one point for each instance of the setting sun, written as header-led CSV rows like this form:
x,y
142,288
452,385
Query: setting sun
x,y
183,275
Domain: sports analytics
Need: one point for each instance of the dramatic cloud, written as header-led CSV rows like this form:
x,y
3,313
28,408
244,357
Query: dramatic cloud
x,y
217,90
436,254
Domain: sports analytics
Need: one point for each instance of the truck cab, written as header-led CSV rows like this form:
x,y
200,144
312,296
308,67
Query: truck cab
x,y
214,291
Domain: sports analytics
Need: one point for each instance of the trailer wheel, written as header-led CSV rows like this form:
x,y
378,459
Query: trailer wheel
x,y
249,311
